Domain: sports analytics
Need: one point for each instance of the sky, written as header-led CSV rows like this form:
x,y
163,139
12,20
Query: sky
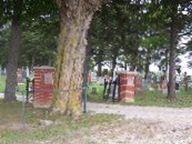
x,y
184,65
184,59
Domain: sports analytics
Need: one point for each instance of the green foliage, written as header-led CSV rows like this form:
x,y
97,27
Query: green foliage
x,y
40,44
154,42
4,44
40,28
115,32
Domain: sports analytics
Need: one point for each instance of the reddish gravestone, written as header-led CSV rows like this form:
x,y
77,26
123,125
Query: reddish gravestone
x,y
43,86
130,82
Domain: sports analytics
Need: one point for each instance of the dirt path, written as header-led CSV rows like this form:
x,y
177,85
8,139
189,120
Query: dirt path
x,y
142,125
176,116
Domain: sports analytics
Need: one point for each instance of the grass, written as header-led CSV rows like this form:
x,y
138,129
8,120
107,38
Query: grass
x,y
156,98
95,92
2,83
20,89
67,126
148,98
12,114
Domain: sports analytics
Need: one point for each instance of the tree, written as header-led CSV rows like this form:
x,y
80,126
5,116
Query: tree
x,y
17,12
39,43
171,18
15,45
76,16
115,33
176,21
154,49
4,41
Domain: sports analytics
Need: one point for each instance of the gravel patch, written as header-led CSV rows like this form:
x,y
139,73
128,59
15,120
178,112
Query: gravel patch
x,y
142,125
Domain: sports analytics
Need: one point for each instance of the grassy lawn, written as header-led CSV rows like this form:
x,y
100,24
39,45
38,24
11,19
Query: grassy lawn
x,y
2,83
11,128
20,88
95,93
156,98
148,98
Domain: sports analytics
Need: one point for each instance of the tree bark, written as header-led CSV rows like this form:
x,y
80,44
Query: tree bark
x,y
75,20
11,81
99,70
147,64
172,55
85,76
167,60
114,63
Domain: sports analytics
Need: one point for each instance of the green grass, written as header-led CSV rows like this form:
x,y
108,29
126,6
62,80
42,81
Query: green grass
x,y
148,98
12,114
2,83
156,98
20,88
96,96
66,127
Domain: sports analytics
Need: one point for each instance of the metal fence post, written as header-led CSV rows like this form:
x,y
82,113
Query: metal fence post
x,y
27,90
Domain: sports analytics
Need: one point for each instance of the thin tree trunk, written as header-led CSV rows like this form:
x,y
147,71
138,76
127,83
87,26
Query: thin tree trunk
x,y
167,60
11,81
132,67
75,20
114,63
125,67
85,76
147,64
173,45
99,70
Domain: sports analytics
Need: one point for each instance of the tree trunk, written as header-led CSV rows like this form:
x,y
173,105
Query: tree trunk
x,y
147,64
85,77
99,70
167,60
11,81
132,67
172,51
125,67
113,66
75,20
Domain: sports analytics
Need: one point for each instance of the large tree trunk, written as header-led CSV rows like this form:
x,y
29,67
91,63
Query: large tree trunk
x,y
11,81
75,20
172,51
